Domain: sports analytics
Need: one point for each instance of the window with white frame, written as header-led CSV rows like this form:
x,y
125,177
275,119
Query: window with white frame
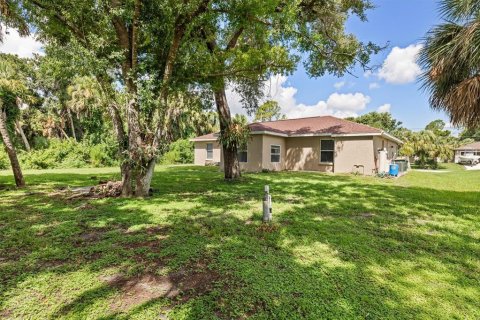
x,y
209,151
242,155
327,149
274,153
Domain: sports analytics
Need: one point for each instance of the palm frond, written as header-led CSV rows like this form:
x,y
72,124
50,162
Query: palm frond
x,y
459,9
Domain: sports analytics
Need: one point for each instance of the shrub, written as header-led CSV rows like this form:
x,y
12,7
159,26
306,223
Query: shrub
x,y
4,161
180,152
69,154
103,154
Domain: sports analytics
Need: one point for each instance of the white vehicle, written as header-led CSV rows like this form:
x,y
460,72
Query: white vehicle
x,y
469,159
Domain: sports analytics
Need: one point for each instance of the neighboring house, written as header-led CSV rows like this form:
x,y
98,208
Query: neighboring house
x,y
472,149
326,144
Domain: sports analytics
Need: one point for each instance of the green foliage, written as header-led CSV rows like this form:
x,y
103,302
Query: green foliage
x,y
438,127
70,154
179,152
473,134
4,161
269,111
380,120
450,59
428,147
237,134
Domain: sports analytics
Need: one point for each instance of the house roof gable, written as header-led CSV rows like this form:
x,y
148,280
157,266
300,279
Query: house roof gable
x,y
470,146
323,125
314,125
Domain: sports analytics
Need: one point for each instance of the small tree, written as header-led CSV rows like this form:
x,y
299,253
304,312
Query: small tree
x,y
269,111
428,147
380,120
438,127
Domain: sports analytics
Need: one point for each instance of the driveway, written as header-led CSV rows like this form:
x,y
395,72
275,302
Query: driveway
x,y
475,167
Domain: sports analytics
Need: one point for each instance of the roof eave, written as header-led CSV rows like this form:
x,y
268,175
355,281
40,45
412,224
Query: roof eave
x,y
389,136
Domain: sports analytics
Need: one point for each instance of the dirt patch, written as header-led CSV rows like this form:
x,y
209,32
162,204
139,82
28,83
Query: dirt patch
x,y
153,231
267,228
90,236
5,314
53,263
85,206
150,244
181,286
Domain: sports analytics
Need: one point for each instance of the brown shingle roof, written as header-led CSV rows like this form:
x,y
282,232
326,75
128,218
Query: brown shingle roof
x,y
314,125
206,137
470,146
304,126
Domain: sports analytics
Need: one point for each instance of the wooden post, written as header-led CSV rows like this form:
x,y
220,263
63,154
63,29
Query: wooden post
x,y
267,205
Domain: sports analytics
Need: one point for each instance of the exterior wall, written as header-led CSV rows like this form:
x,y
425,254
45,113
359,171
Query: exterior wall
x,y
303,153
391,146
267,141
353,151
200,153
459,153
254,154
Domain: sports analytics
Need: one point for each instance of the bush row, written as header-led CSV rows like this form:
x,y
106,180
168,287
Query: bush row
x,y
65,154
71,154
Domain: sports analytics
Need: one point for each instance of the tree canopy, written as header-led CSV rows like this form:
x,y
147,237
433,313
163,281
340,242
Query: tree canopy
x,y
380,120
269,111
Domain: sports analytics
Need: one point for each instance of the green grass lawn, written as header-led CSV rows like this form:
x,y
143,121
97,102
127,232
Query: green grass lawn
x,y
340,247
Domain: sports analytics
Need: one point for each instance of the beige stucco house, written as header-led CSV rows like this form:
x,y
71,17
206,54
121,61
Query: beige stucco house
x,y
326,144
468,150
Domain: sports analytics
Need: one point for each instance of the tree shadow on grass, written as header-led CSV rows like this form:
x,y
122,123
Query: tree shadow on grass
x,y
339,248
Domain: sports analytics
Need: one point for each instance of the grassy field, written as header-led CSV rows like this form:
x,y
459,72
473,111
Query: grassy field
x,y
340,247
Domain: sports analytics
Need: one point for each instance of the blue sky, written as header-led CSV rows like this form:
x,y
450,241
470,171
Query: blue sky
x,y
393,87
400,23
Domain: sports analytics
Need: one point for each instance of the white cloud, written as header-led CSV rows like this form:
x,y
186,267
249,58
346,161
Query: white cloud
x,y
338,85
367,74
24,47
401,66
337,104
348,101
373,85
384,108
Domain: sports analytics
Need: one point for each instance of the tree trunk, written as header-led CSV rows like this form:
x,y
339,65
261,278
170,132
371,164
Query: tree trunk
x,y
135,145
127,187
12,154
143,180
79,133
72,126
19,128
231,166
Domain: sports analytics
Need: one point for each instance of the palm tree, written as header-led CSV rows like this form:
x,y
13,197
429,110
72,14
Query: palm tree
x,y
428,147
451,60
84,95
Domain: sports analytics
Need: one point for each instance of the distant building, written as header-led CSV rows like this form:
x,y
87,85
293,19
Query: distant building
x,y
468,150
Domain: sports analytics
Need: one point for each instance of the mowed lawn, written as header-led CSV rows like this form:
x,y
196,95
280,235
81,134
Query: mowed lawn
x,y
340,247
